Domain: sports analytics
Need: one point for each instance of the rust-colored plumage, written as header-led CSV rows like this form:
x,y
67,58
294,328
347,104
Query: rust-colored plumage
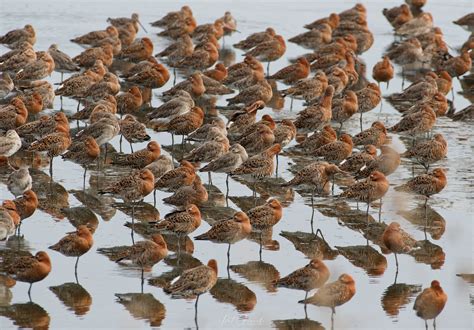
x,y
416,123
138,50
428,152
228,231
186,195
294,72
358,160
375,135
195,281
28,268
333,294
140,158
430,302
181,176
260,165
145,253
373,188
387,162
319,139
13,115
181,222
426,184
307,278
75,244
265,216
26,204
337,151
383,71
315,116
133,187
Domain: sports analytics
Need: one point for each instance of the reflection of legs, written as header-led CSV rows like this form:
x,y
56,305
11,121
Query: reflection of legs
x,y
434,323
396,263
227,191
210,180
228,261
29,291
75,266
84,178
380,210
196,312
133,222
367,212
333,311
426,325
305,305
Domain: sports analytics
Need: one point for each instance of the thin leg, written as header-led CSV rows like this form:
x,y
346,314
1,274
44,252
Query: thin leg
x,y
29,291
131,147
291,103
143,280
333,311
260,251
305,306
84,178
75,266
120,143
426,325
380,210
312,220
367,213
174,75
228,262
227,191
179,245
403,77
396,261
209,179
154,197
276,168
434,323
320,234
133,223
105,153
360,120
51,167
268,68
196,312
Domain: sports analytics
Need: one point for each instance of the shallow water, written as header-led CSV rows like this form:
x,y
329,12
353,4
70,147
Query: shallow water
x,y
247,300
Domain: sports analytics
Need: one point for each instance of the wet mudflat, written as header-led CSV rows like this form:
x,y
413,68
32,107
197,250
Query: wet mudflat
x,y
107,294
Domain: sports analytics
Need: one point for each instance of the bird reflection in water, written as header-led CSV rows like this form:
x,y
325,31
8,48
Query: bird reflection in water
x,y
365,257
74,297
143,306
259,272
237,294
28,315
396,296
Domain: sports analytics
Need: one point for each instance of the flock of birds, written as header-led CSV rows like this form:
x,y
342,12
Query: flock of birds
x,y
113,81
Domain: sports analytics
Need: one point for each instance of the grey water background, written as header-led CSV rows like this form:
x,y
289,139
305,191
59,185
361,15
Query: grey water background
x,y
59,21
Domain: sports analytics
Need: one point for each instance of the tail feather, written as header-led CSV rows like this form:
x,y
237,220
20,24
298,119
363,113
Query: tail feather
x,y
202,237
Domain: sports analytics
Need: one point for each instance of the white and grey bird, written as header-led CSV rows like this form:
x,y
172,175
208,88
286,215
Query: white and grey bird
x,y
19,181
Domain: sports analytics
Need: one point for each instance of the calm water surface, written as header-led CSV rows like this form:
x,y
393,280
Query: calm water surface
x,y
247,300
